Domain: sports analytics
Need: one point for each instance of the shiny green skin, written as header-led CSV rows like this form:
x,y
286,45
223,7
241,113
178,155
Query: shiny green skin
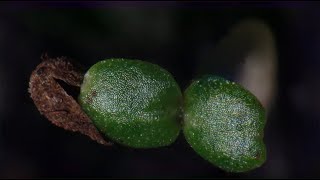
x,y
224,124
132,102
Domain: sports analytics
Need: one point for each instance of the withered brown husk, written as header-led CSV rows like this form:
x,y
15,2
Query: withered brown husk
x,y
54,102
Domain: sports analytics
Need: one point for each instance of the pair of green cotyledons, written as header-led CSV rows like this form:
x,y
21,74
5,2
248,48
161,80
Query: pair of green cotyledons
x,y
138,104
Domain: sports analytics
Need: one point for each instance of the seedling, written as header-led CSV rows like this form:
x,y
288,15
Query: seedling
x,y
137,104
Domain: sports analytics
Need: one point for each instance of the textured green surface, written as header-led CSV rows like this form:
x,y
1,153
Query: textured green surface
x,y
132,102
224,124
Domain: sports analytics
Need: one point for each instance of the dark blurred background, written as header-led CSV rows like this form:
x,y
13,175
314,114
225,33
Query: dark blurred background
x,y
177,36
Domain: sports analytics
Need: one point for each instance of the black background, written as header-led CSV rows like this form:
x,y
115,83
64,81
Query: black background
x,y
169,34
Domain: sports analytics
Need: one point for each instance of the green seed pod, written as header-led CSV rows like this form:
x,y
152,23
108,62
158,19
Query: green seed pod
x,y
224,124
132,102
